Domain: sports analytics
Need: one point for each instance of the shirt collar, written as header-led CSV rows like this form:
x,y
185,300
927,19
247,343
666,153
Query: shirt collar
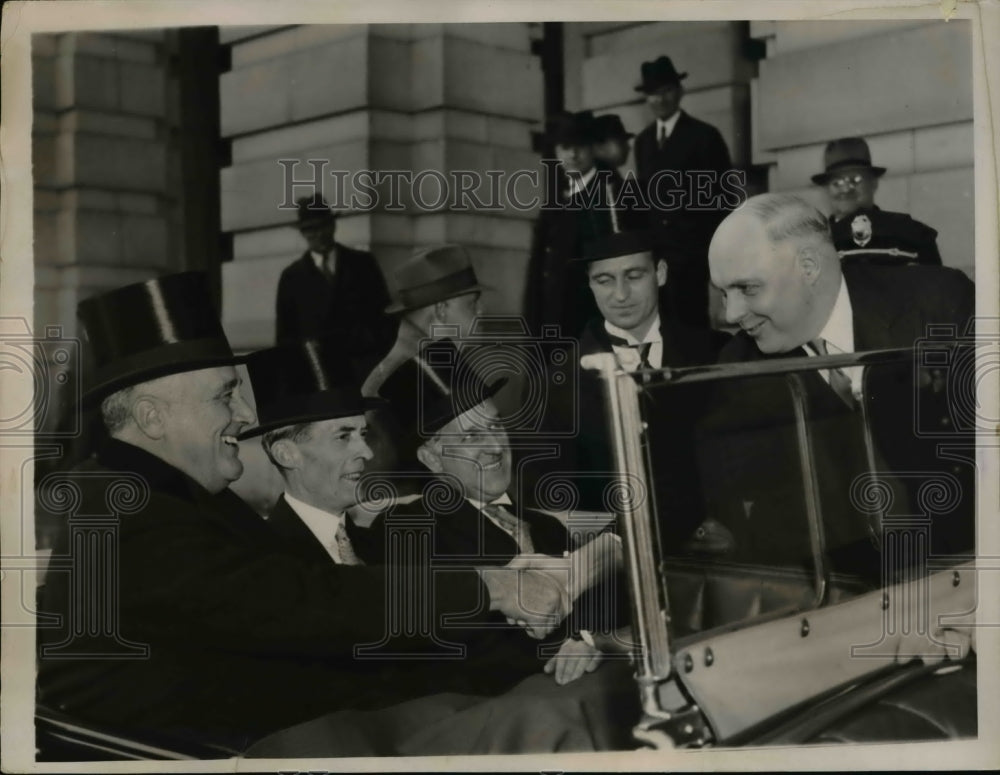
x,y
579,183
652,336
839,328
668,124
321,524
503,500
319,258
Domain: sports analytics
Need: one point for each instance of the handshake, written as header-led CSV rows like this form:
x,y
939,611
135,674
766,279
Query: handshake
x,y
537,591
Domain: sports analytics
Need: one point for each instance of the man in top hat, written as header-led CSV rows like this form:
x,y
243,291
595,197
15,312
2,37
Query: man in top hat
x,y
672,154
626,279
786,289
181,618
612,144
578,207
861,230
331,289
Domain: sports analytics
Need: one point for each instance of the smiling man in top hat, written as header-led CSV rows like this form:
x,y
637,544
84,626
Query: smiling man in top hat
x,y
331,290
672,155
861,230
180,605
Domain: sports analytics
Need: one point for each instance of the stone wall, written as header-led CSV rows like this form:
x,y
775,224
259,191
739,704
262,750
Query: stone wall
x,y
904,86
372,97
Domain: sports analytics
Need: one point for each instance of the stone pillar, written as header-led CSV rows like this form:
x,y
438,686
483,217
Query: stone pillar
x,y
906,86
380,97
107,210
603,62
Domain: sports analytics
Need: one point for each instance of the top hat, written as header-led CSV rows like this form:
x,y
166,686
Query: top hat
x,y
431,275
616,244
444,385
610,127
571,128
659,73
846,153
307,381
162,326
314,212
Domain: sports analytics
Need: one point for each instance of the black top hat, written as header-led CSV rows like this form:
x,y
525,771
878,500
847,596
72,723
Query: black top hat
x,y
303,382
659,73
314,211
571,128
162,326
846,153
427,395
431,275
610,127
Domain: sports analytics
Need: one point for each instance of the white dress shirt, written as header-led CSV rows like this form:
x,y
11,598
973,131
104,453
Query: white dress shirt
x,y
503,500
665,127
330,261
321,524
838,333
579,183
628,357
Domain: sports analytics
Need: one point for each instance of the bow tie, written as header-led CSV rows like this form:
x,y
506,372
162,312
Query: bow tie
x,y
642,348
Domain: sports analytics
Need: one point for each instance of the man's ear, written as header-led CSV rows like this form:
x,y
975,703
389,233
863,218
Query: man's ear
x,y
661,272
286,453
810,263
427,454
441,312
149,415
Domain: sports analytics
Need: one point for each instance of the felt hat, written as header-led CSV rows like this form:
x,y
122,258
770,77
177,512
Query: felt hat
x,y
659,73
844,154
431,275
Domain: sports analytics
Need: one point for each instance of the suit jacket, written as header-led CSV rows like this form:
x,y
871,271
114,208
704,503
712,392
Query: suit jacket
x,y
670,413
351,307
864,233
244,636
694,145
500,655
556,289
753,461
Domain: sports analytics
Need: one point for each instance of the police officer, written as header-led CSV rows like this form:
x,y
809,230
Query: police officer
x,y
861,231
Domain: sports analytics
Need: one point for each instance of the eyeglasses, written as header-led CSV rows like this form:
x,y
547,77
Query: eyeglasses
x,y
846,181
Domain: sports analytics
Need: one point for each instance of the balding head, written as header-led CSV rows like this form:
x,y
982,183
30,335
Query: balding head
x,y
775,263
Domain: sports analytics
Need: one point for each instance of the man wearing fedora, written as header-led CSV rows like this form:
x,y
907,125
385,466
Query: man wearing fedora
x,y
180,617
331,289
626,280
862,232
670,155
578,206
612,144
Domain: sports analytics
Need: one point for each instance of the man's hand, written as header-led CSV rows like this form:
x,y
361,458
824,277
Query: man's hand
x,y
575,658
532,596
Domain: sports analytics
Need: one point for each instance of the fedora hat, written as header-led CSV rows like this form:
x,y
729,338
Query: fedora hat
x,y
659,73
571,128
313,211
843,154
307,381
151,329
610,127
431,275
425,396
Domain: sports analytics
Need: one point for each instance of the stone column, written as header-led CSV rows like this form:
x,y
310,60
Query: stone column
x,y
380,97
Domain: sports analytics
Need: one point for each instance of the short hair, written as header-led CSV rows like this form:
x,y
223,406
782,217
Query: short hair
x,y
116,409
786,216
298,432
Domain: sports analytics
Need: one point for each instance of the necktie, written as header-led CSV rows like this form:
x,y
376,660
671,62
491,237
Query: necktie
x,y
512,525
661,134
643,349
344,547
839,381
329,266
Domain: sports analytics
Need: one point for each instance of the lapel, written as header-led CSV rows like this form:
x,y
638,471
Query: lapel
x,y
285,522
875,309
